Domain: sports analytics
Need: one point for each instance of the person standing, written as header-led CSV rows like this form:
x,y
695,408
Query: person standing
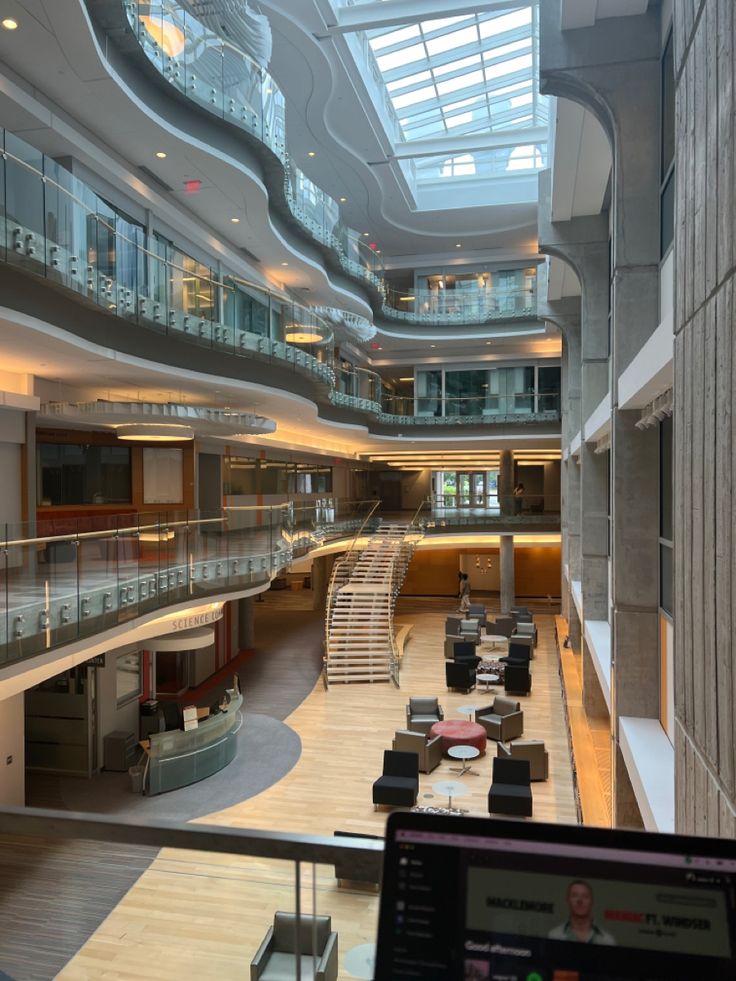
x,y
518,497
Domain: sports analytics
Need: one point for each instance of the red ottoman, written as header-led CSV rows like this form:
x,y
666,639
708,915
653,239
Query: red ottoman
x,y
460,734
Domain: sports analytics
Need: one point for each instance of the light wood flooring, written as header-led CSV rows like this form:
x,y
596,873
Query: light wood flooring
x,y
591,740
196,915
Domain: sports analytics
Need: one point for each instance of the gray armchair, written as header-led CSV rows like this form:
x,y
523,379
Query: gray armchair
x,y
502,720
276,958
428,750
528,749
422,713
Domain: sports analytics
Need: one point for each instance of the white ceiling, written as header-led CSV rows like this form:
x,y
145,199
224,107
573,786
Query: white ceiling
x,y
331,112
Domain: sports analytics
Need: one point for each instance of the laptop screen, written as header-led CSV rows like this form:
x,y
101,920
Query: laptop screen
x,y
487,900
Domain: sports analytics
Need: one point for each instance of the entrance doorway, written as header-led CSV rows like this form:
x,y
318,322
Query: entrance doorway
x,y
465,489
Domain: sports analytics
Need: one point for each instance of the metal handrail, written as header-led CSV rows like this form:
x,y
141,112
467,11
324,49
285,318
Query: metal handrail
x,y
47,823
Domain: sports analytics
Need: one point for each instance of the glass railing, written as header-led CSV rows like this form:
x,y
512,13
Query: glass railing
x,y
493,508
216,75
54,225
222,890
66,579
425,410
478,305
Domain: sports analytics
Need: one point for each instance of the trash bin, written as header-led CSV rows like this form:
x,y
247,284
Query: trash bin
x,y
136,779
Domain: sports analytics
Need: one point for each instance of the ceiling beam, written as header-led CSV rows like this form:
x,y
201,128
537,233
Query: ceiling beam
x,y
472,143
389,13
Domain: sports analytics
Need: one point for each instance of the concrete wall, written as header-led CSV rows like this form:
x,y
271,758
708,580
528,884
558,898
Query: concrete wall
x,y
110,718
12,752
705,356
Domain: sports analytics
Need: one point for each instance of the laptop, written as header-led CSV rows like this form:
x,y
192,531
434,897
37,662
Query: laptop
x,y
474,899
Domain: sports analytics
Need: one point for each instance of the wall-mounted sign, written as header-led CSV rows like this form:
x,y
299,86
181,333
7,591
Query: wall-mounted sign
x,y
98,661
186,622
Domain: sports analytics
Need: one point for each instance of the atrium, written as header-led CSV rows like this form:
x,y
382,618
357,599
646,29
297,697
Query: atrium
x,y
320,319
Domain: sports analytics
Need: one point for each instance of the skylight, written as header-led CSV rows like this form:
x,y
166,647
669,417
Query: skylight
x,y
468,74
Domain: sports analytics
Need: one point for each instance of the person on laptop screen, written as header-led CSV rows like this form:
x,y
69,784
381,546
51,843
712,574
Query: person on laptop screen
x,y
580,925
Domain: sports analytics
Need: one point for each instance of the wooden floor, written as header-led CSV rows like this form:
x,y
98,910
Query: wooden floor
x,y
591,740
195,915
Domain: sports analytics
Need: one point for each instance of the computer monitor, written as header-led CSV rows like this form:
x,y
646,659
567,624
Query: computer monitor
x,y
473,899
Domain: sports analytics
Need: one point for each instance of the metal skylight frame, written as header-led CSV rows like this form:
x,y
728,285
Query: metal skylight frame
x,y
463,76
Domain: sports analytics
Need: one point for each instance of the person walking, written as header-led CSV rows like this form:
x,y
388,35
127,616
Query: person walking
x,y
464,593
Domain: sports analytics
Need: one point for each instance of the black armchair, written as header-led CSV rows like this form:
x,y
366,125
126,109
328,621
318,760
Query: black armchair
x,y
510,791
398,786
457,648
460,674
353,868
516,679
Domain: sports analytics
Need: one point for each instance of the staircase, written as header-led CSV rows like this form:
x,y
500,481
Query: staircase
x,y
360,643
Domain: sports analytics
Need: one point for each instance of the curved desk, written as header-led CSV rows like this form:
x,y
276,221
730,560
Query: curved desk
x,y
178,758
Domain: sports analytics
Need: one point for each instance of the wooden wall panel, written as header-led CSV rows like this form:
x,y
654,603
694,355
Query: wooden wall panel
x,y
537,571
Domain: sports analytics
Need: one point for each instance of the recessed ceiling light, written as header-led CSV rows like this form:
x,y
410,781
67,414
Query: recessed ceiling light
x,y
311,154
160,154
433,345
343,200
10,24
458,245
235,221
366,234
284,263
488,342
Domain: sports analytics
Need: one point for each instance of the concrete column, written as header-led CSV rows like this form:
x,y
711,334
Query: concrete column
x,y
613,69
506,482
705,410
583,244
246,626
508,592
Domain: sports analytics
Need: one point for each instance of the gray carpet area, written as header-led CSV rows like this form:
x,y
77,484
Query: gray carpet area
x,y
267,750
54,895
41,928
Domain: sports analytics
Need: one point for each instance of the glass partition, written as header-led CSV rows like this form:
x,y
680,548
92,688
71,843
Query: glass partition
x,y
55,226
76,577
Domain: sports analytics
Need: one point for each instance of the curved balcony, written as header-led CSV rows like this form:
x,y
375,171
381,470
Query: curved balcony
x,y
55,226
73,579
362,389
221,79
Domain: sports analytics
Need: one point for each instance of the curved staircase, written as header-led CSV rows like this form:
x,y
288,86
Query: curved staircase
x,y
360,641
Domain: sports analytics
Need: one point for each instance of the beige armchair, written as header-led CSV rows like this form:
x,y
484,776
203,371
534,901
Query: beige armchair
x,y
428,750
314,941
528,749
422,713
502,720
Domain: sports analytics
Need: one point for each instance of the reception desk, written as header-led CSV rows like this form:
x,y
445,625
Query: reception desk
x,y
178,758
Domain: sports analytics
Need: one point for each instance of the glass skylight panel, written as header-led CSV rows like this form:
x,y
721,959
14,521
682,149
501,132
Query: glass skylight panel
x,y
395,37
450,42
467,75
395,59
506,22
461,82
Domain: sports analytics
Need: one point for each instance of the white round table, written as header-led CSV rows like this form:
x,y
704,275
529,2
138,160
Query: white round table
x,y
464,753
488,679
468,710
452,788
495,640
360,961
